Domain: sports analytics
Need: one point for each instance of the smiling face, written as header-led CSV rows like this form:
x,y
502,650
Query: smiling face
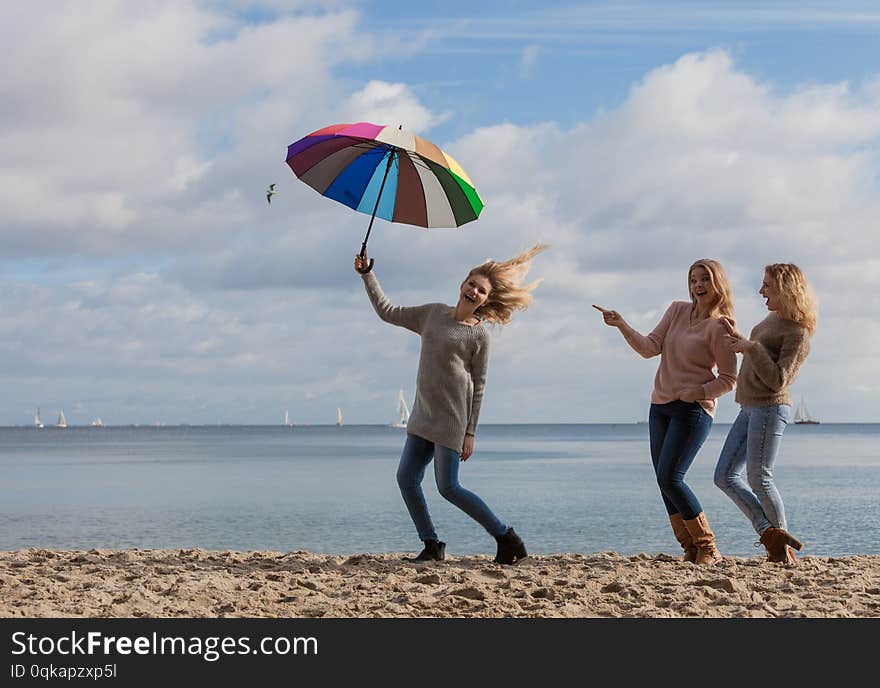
x,y
474,291
702,290
770,293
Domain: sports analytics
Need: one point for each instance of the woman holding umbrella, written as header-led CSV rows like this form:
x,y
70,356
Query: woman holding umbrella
x,y
449,390
690,339
772,355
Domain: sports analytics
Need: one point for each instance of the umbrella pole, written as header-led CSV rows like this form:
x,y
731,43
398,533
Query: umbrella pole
x,y
375,208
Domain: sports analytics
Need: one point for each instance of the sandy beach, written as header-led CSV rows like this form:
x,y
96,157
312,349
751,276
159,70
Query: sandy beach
x,y
201,583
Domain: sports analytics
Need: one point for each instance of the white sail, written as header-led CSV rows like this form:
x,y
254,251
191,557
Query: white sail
x,y
97,423
338,415
286,420
402,413
62,421
802,414
38,423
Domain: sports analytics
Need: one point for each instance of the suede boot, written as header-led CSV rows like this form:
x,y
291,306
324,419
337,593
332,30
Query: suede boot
x,y
683,537
511,548
777,541
434,551
704,540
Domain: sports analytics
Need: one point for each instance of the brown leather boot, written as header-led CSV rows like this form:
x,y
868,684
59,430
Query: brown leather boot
x,y
777,541
704,539
683,537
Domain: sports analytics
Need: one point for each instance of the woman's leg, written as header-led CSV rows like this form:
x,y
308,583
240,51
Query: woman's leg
x,y
446,463
658,426
416,456
688,428
731,464
766,426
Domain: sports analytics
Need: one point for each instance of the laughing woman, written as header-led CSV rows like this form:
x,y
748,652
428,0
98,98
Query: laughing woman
x,y
772,355
449,390
690,341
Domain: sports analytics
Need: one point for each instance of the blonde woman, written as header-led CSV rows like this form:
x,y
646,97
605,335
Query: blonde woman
x,y
772,356
690,342
449,390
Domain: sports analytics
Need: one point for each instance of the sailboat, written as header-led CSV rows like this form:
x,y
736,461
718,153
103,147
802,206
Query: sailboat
x,y
286,420
339,415
37,422
802,414
402,413
62,421
97,423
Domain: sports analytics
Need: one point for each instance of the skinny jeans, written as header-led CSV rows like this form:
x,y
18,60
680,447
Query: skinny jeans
x,y
417,454
752,444
677,430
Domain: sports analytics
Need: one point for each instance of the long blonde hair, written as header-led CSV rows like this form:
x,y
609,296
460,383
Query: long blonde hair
x,y
723,305
506,294
796,299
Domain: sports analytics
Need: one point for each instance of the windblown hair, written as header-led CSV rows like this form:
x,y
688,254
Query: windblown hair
x,y
507,294
796,299
723,305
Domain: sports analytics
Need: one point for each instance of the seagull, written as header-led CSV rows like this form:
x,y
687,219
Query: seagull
x,y
270,192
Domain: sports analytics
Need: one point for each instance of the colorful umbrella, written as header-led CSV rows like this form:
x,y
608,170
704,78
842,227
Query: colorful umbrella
x,y
386,172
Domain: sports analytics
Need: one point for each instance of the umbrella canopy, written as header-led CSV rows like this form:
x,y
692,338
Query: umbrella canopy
x,y
386,172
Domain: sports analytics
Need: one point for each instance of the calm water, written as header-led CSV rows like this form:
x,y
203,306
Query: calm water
x,y
566,488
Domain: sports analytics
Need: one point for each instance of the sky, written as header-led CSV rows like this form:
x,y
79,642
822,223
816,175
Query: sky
x,y
144,278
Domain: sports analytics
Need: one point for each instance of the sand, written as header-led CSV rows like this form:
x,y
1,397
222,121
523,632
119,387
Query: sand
x,y
201,583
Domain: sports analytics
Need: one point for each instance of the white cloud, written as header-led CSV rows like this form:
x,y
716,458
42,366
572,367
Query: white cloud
x,y
528,60
380,102
109,129
256,308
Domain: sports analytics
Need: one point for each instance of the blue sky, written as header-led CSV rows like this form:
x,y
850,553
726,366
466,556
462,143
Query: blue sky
x,y
144,279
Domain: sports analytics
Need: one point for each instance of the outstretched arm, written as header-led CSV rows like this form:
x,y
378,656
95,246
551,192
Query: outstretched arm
x,y
646,346
410,317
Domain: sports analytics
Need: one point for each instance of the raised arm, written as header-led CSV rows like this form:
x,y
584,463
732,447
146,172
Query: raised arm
x,y
410,317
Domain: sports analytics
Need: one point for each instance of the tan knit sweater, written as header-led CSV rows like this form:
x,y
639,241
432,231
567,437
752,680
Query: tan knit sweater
x,y
452,368
769,367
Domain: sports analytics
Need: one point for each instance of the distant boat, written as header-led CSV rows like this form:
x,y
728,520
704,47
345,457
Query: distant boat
x,y
97,423
338,415
37,422
402,413
62,421
286,422
802,414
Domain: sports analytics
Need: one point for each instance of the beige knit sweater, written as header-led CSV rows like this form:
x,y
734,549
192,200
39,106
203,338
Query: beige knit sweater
x,y
769,367
452,368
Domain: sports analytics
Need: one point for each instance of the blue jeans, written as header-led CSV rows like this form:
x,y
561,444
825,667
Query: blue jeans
x,y
677,430
417,454
752,443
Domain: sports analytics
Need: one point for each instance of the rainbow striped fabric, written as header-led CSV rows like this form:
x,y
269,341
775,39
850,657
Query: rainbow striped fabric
x,y
424,186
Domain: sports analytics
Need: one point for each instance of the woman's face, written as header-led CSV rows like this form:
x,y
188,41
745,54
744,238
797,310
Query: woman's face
x,y
474,291
770,293
701,287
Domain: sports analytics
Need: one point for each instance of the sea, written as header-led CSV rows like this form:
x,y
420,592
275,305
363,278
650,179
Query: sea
x,y
326,489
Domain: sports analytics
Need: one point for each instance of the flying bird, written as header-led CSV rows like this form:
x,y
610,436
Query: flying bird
x,y
270,192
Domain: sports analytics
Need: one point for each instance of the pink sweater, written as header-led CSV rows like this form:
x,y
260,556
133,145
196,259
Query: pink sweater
x,y
688,355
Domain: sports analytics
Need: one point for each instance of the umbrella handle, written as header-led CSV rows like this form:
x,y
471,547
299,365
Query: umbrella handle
x,y
372,260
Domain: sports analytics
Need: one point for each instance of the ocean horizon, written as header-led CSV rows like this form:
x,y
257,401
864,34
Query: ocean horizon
x,y
566,487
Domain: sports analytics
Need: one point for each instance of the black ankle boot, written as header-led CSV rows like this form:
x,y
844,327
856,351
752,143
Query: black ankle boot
x,y
510,548
434,551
